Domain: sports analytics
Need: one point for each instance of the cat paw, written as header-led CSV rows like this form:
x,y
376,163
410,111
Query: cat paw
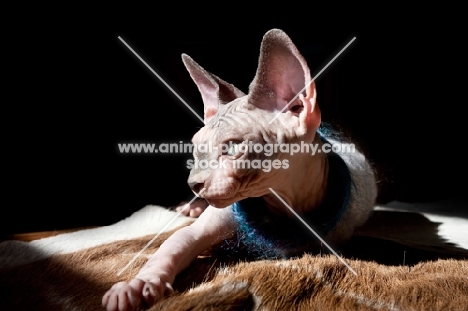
x,y
135,294
124,296
194,209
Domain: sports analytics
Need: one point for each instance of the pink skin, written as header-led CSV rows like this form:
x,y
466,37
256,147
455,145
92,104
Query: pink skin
x,y
154,280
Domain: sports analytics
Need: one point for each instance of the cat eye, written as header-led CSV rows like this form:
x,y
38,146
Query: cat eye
x,y
232,148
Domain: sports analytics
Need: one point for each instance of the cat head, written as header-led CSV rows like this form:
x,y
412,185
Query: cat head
x,y
280,108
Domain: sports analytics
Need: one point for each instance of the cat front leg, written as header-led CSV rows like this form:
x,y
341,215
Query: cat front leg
x,y
155,279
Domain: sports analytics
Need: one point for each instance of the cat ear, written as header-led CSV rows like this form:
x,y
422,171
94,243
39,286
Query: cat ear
x,y
214,90
282,74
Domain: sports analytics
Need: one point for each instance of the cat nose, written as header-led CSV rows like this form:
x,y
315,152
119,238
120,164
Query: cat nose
x,y
196,186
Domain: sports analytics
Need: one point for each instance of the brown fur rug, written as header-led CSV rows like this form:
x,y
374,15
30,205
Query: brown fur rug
x,y
431,278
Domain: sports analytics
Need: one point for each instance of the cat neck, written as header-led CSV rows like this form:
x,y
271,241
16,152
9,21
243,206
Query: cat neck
x,y
304,187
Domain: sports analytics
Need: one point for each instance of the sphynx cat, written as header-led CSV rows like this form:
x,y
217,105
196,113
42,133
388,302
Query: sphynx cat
x,y
302,180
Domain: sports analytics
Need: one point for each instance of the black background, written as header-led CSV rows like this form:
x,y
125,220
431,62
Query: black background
x,y
74,91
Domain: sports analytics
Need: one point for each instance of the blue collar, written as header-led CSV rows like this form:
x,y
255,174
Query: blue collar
x,y
266,234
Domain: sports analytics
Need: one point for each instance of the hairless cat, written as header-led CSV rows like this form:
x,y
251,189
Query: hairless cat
x,y
334,191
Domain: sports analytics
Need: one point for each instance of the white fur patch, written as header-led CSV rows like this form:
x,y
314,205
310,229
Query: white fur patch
x,y
149,220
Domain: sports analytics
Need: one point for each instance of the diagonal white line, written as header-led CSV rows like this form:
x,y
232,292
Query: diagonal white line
x,y
159,233
313,79
161,79
312,230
